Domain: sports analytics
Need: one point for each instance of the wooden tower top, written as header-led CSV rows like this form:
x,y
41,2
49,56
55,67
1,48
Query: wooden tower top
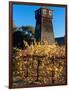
x,y
44,12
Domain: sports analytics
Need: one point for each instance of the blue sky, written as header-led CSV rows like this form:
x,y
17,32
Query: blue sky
x,y
25,15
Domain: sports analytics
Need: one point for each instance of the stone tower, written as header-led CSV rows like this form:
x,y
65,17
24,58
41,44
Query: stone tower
x,y
44,26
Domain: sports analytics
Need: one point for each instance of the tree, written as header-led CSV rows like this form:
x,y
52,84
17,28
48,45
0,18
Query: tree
x,y
29,28
14,27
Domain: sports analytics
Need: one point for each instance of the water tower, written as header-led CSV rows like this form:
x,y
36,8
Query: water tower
x,y
44,26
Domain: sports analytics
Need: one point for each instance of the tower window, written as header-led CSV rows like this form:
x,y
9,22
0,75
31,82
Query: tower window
x,y
50,13
44,11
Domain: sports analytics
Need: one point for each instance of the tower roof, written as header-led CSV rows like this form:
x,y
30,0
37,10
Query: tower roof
x,y
44,7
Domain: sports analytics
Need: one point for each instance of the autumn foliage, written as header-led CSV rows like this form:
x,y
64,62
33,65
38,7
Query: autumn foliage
x,y
39,63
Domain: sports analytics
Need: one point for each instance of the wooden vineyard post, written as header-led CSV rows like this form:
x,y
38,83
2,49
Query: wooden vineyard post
x,y
38,69
53,73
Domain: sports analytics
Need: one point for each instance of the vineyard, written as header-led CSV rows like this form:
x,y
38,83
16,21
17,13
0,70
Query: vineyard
x,y
39,64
